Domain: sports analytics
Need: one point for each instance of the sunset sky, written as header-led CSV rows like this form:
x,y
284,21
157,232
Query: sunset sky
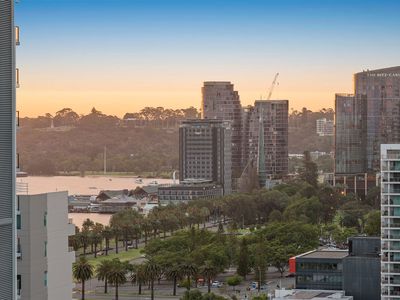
x,y
123,55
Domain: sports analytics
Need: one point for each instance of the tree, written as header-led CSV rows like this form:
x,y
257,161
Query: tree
x,y
309,171
117,274
103,271
243,267
278,255
174,273
107,234
373,223
97,237
208,271
189,270
234,281
138,276
153,272
82,271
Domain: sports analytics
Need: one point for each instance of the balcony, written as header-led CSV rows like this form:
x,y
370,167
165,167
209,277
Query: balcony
x,y
17,78
17,41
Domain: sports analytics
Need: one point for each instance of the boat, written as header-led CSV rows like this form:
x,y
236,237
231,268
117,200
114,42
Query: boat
x,y
139,181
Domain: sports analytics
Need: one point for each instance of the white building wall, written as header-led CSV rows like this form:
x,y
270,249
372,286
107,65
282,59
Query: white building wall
x,y
59,259
390,222
44,219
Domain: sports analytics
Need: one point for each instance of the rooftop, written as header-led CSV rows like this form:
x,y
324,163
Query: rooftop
x,y
310,295
335,254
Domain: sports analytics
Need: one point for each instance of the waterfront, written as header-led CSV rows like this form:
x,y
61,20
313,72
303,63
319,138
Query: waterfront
x,y
78,218
88,185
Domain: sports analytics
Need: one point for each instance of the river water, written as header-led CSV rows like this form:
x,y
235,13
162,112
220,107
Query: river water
x,y
88,185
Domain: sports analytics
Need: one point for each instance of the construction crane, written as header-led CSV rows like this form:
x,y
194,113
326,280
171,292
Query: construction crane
x,y
271,89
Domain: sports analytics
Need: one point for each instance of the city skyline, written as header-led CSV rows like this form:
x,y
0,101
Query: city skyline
x,y
131,54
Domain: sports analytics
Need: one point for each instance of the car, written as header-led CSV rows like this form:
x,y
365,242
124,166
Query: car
x,y
290,275
216,284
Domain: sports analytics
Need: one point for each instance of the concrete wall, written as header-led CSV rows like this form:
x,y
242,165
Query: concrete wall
x,y
44,219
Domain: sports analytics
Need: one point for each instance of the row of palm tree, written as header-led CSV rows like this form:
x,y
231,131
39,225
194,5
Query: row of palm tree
x,y
130,226
117,273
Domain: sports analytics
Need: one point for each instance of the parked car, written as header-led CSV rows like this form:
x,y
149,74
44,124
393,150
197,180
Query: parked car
x,y
216,284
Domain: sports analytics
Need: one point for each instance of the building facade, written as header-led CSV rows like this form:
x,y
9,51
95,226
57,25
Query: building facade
x,y
187,191
44,263
350,134
361,268
275,120
221,101
320,270
390,223
381,91
205,152
7,151
325,127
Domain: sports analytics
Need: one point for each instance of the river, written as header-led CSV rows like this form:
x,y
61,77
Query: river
x,y
88,185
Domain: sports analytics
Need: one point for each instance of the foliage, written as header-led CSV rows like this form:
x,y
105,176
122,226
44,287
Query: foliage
x,y
309,171
234,280
373,223
76,143
197,295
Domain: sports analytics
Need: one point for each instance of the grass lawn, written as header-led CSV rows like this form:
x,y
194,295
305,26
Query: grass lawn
x,y
122,255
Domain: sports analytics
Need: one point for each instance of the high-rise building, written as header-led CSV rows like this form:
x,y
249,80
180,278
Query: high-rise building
x,y
381,89
220,101
325,127
7,151
350,137
205,152
390,223
44,264
275,120
364,121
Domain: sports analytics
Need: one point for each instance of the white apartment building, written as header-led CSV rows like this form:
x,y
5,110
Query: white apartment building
x,y
390,222
44,260
325,127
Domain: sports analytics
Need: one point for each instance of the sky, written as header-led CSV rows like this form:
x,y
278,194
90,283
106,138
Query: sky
x,y
122,55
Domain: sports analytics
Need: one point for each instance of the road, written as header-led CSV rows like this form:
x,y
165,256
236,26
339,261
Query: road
x,y
95,289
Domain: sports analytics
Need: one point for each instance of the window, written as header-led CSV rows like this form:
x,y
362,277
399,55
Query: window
x,y
45,249
45,278
18,221
45,219
19,285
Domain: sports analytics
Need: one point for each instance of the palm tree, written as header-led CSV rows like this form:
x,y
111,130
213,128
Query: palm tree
x,y
189,270
103,271
209,272
117,274
153,272
82,270
107,235
97,237
174,273
138,276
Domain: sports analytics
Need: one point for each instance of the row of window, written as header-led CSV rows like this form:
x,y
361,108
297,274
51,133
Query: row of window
x,y
319,266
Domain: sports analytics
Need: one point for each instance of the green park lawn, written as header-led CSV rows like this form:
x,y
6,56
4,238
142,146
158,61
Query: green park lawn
x,y
122,255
